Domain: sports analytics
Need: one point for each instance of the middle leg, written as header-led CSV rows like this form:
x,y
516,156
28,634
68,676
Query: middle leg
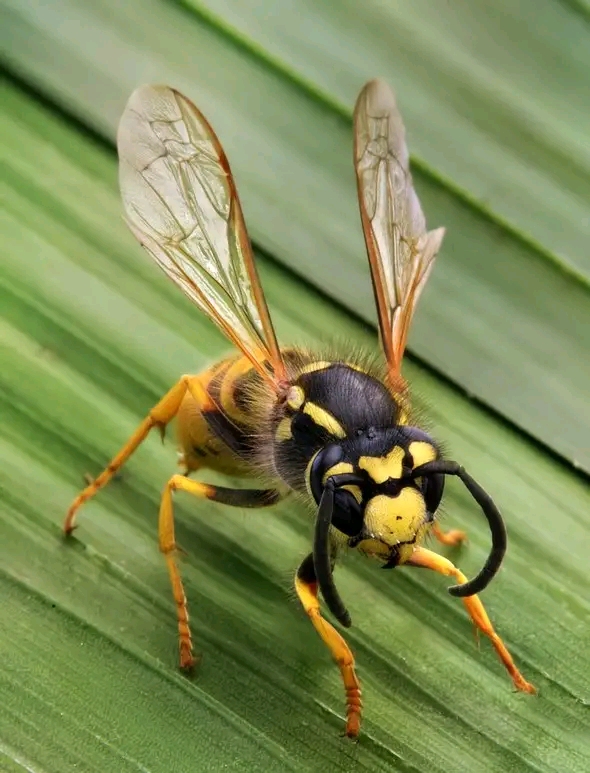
x,y
227,496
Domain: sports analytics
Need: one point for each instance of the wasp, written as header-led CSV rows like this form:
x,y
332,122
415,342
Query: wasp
x,y
334,430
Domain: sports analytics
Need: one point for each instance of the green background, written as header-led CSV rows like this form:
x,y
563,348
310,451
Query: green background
x,y
91,335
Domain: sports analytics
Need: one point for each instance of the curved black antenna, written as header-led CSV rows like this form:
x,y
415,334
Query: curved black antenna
x,y
491,512
322,558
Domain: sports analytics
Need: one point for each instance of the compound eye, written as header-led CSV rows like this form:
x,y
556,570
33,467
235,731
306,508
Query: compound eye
x,y
348,514
327,458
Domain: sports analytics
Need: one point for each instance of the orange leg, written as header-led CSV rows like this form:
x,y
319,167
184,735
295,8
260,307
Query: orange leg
x,y
307,590
159,416
236,497
429,560
451,537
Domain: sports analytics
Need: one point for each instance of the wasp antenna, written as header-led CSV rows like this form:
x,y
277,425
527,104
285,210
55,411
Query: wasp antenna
x,y
322,560
493,516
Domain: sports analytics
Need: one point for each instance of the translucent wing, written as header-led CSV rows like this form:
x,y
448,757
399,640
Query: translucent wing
x,y
401,251
181,204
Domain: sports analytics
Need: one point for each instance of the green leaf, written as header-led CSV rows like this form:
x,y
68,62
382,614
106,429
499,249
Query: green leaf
x,y
473,83
495,102
91,335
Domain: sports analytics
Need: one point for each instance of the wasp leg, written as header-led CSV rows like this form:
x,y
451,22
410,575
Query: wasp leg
x,y
162,413
227,496
307,590
451,537
429,560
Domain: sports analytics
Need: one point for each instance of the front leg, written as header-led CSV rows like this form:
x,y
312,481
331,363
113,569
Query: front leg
x,y
426,559
307,590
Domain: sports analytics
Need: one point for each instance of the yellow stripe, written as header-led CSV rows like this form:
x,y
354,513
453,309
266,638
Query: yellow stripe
x,y
421,452
337,469
283,431
313,366
308,474
228,386
295,398
381,468
324,419
358,368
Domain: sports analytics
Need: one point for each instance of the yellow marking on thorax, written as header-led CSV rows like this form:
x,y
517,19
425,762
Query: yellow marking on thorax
x,y
422,452
404,417
283,431
324,419
399,391
295,398
356,367
380,468
315,366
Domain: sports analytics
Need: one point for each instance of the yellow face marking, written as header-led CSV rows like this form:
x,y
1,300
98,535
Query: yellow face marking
x,y
295,398
324,419
283,431
380,468
337,469
421,452
308,474
394,520
314,366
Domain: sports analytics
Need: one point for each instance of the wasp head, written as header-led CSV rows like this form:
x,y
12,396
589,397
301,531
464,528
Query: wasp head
x,y
380,490
380,508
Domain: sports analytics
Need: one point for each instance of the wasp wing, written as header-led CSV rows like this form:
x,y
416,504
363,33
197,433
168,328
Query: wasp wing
x,y
401,251
181,204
